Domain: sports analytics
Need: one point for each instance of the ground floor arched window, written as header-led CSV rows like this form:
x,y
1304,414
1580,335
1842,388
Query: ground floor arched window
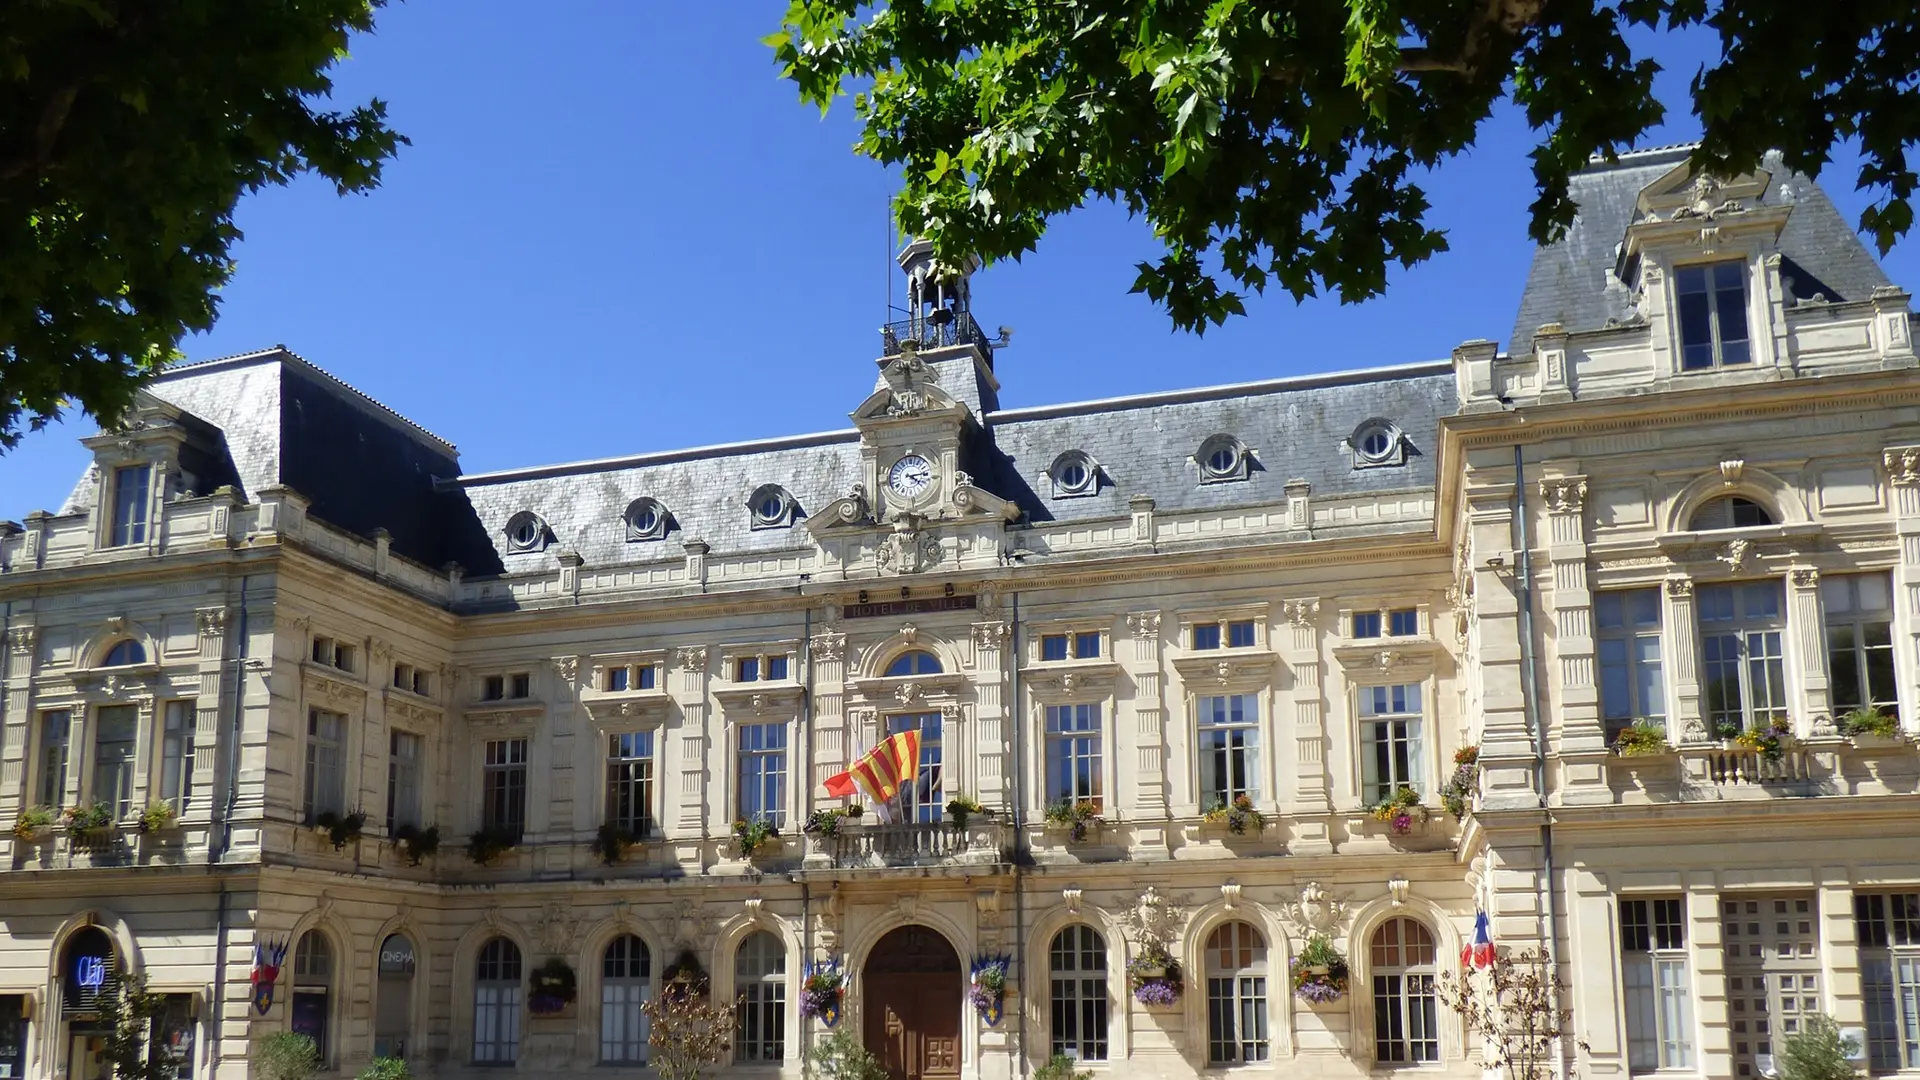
x,y
496,1003
625,978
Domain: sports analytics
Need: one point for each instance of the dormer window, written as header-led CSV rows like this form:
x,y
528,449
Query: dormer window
x,y
124,654
1377,442
1712,303
1222,458
772,507
526,532
1729,512
129,524
646,520
1074,475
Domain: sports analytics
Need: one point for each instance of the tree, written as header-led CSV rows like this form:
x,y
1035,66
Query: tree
x,y
1271,143
688,1033
128,132
286,1055
126,1011
1513,1005
841,1056
1817,1051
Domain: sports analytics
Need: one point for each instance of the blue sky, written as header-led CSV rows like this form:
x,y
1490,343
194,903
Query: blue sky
x,y
618,231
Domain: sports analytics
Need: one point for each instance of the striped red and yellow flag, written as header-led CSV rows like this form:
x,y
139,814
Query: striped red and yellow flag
x,y
881,773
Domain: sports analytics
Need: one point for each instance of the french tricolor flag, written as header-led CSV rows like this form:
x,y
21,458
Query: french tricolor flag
x,y
1479,951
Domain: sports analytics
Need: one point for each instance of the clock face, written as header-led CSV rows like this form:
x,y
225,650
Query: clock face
x,y
910,477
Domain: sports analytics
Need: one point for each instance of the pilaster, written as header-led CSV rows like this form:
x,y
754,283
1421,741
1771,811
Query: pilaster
x,y
1506,743
1806,636
212,625
1299,642
990,713
827,652
1683,648
564,814
17,658
690,670
1903,482
1149,724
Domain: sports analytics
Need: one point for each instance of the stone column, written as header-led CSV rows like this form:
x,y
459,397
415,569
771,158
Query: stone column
x,y
1680,645
990,714
1903,480
691,666
16,681
1149,809
1806,637
1299,641
564,815
1575,724
827,651
1506,744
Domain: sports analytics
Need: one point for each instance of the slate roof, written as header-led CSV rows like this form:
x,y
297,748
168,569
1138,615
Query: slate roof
x,y
1572,283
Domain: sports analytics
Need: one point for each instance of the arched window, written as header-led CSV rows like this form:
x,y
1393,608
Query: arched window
x,y
1405,1029
86,968
526,531
393,998
496,1003
1236,963
124,653
1729,512
1077,968
917,662
760,978
624,975
312,986
1222,457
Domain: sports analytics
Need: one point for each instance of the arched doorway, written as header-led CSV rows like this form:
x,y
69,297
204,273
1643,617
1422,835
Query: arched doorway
x,y
88,969
912,1004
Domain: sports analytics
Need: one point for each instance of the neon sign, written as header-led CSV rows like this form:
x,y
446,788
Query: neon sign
x,y
90,972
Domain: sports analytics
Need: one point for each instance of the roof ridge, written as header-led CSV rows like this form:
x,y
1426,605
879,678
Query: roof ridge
x,y
1206,393
282,350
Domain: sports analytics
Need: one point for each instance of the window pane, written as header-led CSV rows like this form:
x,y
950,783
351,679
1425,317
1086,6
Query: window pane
x,y
1206,636
1053,647
116,735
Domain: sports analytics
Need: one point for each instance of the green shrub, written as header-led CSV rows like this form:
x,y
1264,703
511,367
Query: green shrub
x,y
1061,1068
385,1068
1816,1051
286,1056
840,1056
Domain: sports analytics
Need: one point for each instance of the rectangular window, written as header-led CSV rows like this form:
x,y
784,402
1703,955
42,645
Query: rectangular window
x,y
1887,926
1053,647
522,685
763,773
343,656
776,668
630,677
1229,746
493,688
116,735
1713,315
1659,1004
616,679
1741,631
503,786
630,782
55,730
922,801
1403,622
747,670
176,754
171,1048
643,677
1390,736
1366,624
1073,754
422,683
1860,642
323,651
1627,625
403,779
402,677
1206,636
1240,634
326,764
1086,645
1771,947
13,1036
130,505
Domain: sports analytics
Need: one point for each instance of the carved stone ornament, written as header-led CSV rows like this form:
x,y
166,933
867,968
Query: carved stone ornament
x,y
1152,919
1903,465
1230,895
1736,554
989,635
1805,577
211,621
1144,624
20,639
1300,612
692,659
1679,587
1730,471
752,906
909,632
1694,730
908,905
1823,725
692,925
1071,898
555,928
908,550
1564,494
986,599
1317,911
1398,887
567,667
829,646
906,693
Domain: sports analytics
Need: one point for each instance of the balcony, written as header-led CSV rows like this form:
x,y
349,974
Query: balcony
x,y
914,845
942,329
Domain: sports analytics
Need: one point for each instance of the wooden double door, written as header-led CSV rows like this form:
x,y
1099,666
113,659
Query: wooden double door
x,y
914,995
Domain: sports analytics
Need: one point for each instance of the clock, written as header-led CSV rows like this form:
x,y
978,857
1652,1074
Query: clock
x,y
910,476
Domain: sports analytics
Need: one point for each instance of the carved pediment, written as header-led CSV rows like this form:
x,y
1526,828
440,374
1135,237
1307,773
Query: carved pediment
x,y
908,388
485,716
407,707
327,688
907,691
644,706
853,508
1080,680
760,698
1683,193
1388,659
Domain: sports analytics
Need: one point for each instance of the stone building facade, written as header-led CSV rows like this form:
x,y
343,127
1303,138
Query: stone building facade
x,y
1681,512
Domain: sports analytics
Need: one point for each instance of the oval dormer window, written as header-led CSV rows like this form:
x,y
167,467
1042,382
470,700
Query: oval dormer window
x,y
772,507
1221,458
526,532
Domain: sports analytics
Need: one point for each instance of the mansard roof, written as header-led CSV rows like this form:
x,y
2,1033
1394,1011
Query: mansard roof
x,y
1572,281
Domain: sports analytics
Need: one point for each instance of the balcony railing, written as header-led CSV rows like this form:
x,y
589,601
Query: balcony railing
x,y
917,844
934,332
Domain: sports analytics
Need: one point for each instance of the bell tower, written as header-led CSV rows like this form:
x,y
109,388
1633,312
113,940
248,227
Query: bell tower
x,y
937,324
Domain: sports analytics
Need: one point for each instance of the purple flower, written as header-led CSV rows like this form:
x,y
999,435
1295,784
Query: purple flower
x,y
1318,991
1401,822
1156,992
815,1002
982,998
